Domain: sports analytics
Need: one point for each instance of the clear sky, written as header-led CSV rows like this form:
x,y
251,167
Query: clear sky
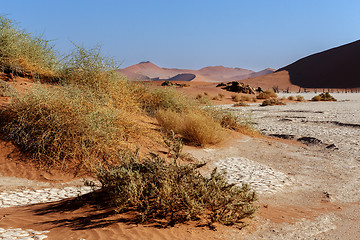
x,y
252,34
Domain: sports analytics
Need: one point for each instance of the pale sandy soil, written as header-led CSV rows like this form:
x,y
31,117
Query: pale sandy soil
x,y
319,197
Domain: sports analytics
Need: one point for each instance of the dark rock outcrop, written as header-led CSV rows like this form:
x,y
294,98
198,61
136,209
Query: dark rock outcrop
x,y
237,87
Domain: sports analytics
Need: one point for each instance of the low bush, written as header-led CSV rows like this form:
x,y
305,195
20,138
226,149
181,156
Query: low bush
x,y
267,94
202,99
324,97
6,90
300,98
271,102
155,189
235,97
216,98
291,98
241,104
245,98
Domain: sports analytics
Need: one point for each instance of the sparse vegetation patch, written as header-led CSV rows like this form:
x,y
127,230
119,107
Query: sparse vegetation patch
x,y
175,193
65,124
22,53
324,97
271,102
267,94
6,90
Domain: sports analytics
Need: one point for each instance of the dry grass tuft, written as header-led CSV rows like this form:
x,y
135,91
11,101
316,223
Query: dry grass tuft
x,y
324,97
291,98
300,98
241,104
232,121
6,90
57,125
25,54
195,126
271,102
267,94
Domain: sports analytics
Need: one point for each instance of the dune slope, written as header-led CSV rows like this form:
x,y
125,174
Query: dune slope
x,y
333,68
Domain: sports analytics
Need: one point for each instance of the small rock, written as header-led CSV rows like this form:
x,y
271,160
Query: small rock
x,y
332,147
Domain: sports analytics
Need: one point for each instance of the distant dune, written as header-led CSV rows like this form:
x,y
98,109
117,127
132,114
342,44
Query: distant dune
x,y
333,68
148,71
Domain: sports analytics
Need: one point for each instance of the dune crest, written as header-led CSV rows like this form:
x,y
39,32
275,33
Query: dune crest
x,y
148,71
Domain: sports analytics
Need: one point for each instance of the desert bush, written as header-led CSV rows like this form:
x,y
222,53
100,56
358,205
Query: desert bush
x,y
245,98
153,100
202,99
88,67
241,104
57,125
267,94
221,95
235,98
90,70
216,98
291,98
155,189
271,102
6,90
194,125
324,97
299,98
23,53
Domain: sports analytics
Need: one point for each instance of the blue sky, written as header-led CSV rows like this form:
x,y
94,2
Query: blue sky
x,y
252,34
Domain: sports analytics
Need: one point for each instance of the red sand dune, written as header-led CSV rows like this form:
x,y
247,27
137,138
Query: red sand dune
x,y
148,70
333,68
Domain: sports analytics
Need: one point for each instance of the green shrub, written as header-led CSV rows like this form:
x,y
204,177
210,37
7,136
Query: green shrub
x,y
323,97
6,90
23,53
155,189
